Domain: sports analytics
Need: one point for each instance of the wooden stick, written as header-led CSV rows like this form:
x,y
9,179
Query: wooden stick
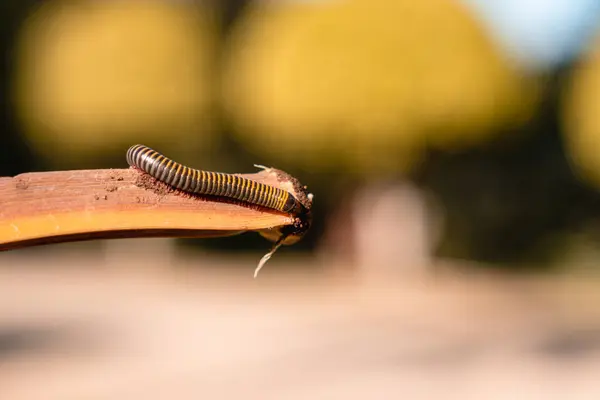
x,y
49,207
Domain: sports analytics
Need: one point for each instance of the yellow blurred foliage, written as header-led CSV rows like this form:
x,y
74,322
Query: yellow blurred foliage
x,y
93,76
582,117
363,85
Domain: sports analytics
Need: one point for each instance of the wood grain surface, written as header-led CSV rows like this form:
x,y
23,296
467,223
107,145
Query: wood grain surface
x,y
49,207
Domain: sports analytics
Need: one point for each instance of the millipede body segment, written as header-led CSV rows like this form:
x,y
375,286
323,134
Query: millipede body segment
x,y
211,183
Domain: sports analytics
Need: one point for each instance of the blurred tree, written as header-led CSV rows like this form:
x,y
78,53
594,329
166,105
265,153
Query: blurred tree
x,y
94,77
362,86
355,90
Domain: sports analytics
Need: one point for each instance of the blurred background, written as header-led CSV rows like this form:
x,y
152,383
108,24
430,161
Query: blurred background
x,y
453,147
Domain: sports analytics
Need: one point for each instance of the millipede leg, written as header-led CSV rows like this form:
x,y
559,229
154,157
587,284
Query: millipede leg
x,y
262,167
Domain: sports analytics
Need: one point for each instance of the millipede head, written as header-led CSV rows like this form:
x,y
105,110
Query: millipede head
x,y
284,235
291,233
300,205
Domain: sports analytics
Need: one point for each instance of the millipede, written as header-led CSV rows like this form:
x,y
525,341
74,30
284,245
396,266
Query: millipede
x,y
296,201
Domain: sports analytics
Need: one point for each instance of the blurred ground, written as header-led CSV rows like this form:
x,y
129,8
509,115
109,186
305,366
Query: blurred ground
x,y
83,324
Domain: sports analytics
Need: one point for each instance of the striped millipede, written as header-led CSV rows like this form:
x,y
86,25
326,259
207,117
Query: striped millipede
x,y
210,183
295,201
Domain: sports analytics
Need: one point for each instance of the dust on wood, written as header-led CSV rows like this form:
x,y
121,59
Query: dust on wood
x,y
21,183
